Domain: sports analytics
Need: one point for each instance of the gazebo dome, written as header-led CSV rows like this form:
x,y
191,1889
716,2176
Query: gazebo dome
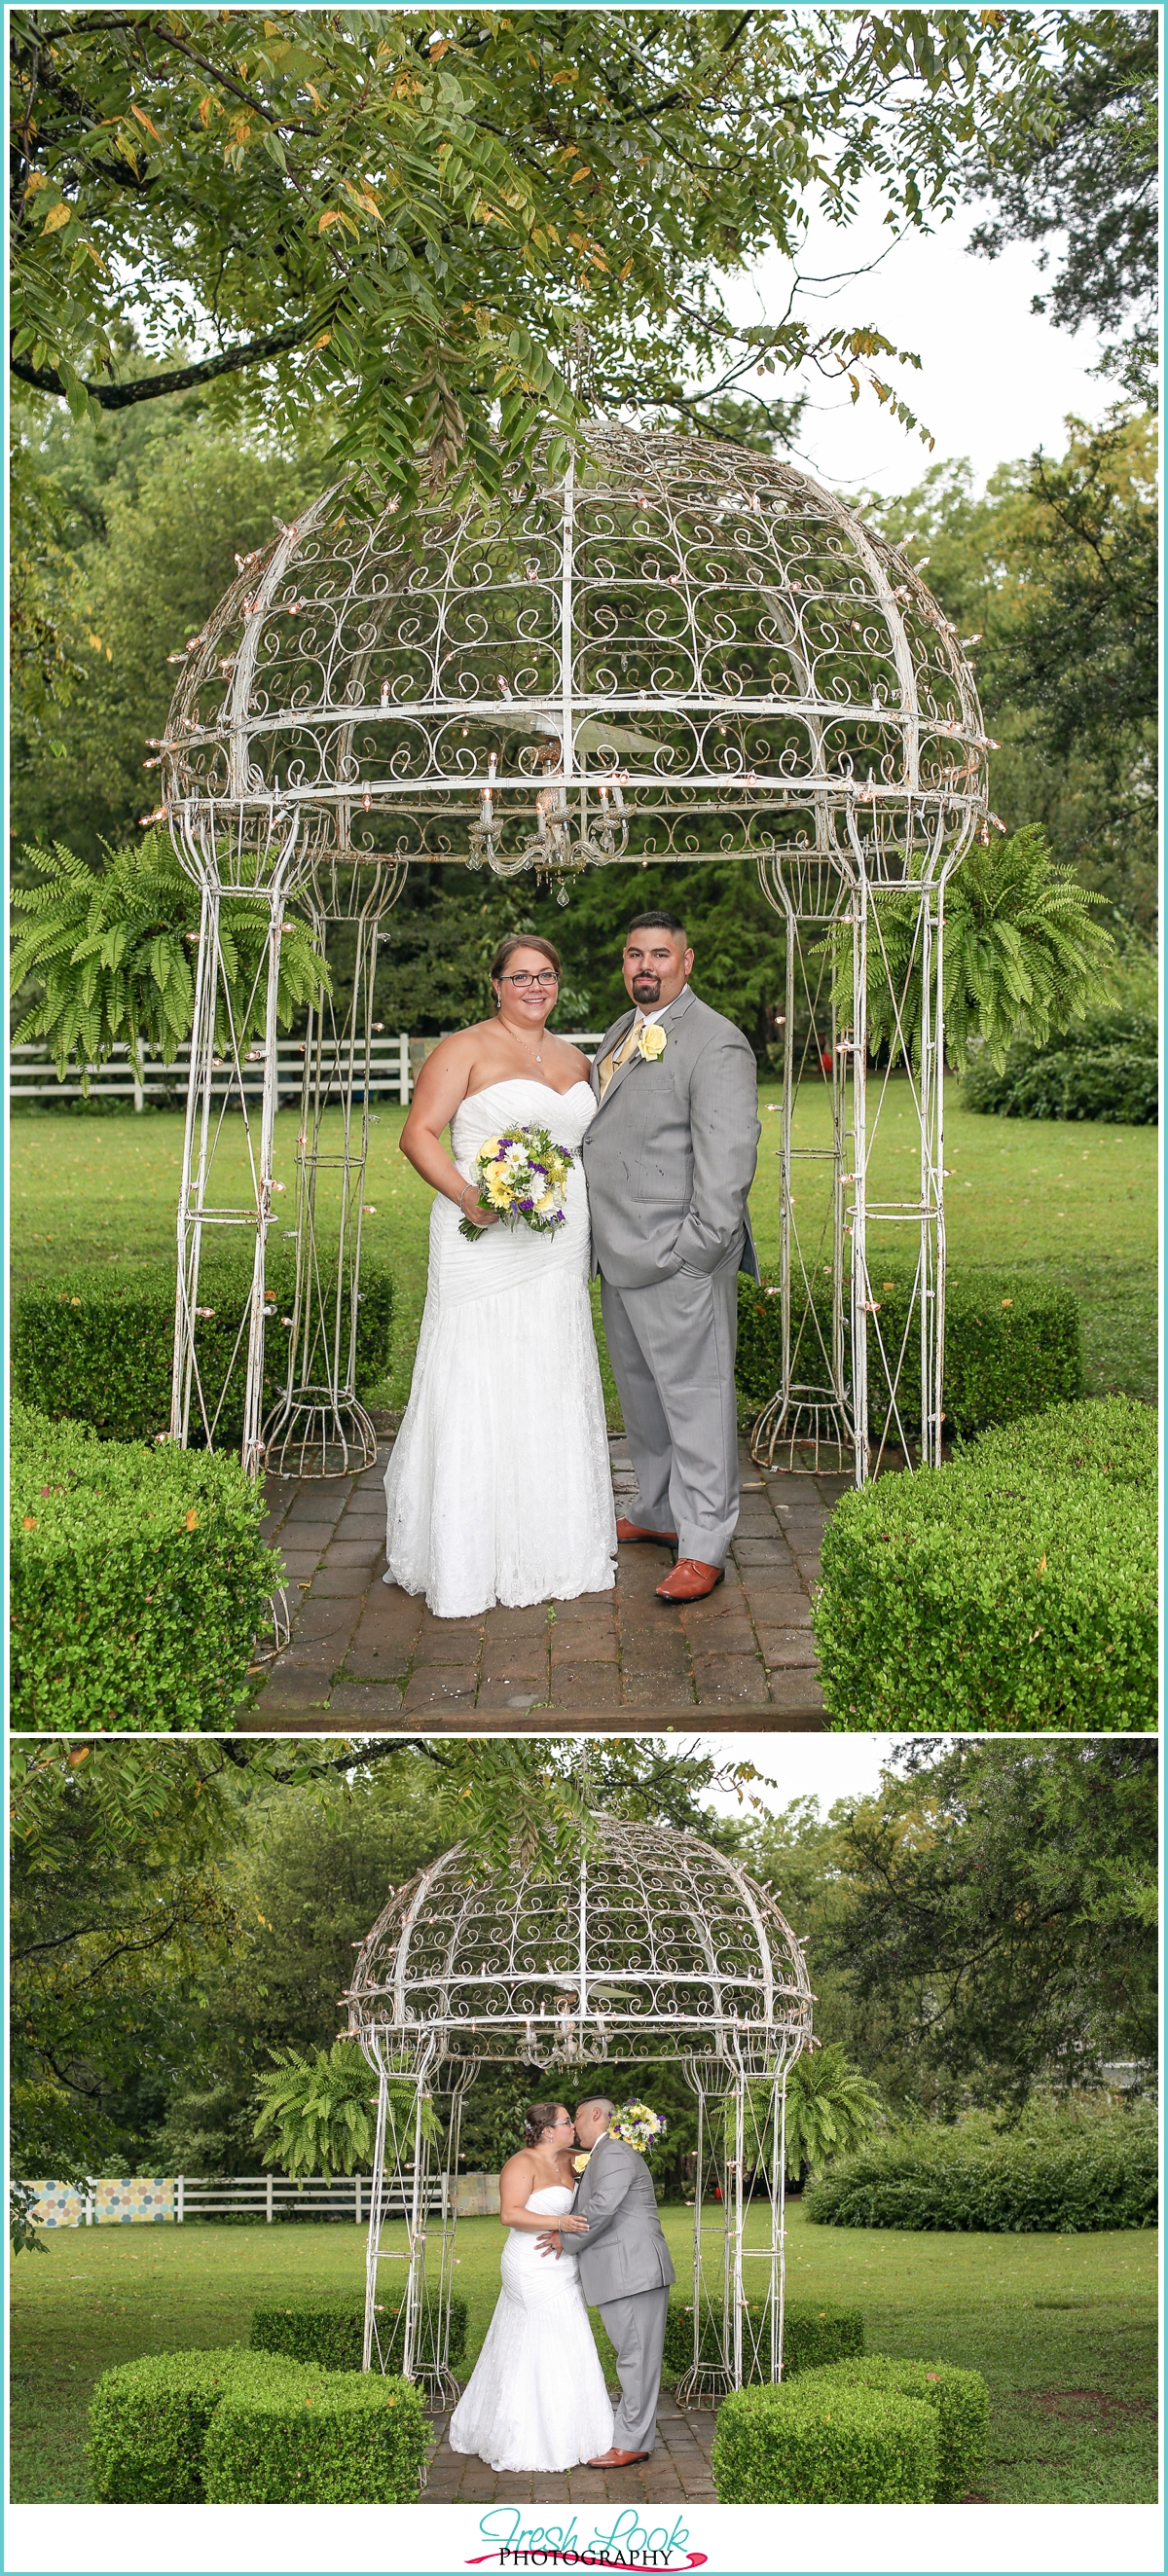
x,y
668,648
648,1945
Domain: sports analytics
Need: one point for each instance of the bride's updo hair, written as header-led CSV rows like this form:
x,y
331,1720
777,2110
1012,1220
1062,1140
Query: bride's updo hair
x,y
539,2115
522,939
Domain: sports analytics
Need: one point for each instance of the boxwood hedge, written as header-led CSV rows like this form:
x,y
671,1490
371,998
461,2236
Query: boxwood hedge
x,y
1013,1588
1012,1346
139,1580
330,2332
253,2428
97,1344
960,2398
811,2335
339,2437
1036,2181
810,2443
149,2420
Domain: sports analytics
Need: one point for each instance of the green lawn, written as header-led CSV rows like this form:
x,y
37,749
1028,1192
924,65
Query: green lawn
x,y
1064,2328
1076,1203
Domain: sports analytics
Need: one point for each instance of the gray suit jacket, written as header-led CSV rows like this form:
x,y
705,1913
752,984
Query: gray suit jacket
x,y
671,1152
624,2250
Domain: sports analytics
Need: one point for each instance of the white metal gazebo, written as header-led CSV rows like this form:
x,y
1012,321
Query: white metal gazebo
x,y
649,1946
664,648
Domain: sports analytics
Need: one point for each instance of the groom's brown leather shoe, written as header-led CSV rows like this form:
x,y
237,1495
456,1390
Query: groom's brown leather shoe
x,y
690,1580
617,2459
631,1535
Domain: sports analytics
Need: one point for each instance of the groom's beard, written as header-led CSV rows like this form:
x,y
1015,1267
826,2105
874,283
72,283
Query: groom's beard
x,y
647,990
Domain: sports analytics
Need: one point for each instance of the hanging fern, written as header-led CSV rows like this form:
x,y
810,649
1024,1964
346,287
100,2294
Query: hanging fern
x,y
1022,956
113,949
830,2108
323,2110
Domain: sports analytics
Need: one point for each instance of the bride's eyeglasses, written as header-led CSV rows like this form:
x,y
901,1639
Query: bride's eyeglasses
x,y
521,982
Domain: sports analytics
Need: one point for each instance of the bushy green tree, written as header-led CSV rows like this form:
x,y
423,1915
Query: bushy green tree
x,y
1086,185
406,214
144,518
1049,576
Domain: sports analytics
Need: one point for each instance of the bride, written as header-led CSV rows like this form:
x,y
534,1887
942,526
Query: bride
x,y
499,1489
536,2399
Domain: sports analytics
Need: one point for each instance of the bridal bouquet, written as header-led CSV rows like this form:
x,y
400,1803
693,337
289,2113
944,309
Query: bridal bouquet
x,y
636,2126
523,1175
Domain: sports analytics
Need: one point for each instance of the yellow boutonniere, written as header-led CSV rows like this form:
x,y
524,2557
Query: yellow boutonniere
x,y
579,2163
651,1042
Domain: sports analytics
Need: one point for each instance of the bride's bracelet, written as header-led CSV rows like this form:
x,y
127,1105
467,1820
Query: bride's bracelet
x,y
467,1185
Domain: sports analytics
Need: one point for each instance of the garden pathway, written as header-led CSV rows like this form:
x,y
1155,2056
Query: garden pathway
x,y
677,2472
366,1657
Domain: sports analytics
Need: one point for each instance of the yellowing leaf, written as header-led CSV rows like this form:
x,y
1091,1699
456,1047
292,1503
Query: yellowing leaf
x,y
56,216
36,179
143,119
1042,1564
333,217
29,1521
323,341
192,1519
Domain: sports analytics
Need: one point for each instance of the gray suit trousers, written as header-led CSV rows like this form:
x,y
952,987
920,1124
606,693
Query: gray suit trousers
x,y
636,2329
672,1348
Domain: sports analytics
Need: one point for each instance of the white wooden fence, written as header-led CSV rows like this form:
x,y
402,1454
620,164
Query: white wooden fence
x,y
172,2198
137,1075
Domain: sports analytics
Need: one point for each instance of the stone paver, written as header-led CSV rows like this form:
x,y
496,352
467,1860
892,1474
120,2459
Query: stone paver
x,y
677,2472
363,1652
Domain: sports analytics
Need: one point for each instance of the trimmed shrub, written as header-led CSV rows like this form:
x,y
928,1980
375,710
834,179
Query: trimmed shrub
x,y
149,2420
333,2437
1105,1067
807,2443
811,2335
961,2400
1013,1588
97,1345
1096,2174
139,1581
1012,1347
330,2332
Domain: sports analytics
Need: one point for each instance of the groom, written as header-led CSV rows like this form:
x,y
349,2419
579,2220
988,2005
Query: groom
x,y
669,1158
625,2271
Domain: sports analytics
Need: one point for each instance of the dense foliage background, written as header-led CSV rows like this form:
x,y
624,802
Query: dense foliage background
x,y
981,1929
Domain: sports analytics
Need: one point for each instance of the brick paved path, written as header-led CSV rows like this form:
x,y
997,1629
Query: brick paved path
x,y
364,1656
677,2472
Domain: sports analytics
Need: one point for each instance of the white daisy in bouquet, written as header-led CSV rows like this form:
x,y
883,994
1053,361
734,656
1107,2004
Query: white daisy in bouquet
x,y
524,1175
637,2126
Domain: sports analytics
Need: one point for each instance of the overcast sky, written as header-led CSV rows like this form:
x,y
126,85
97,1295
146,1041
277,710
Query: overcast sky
x,y
996,380
825,1767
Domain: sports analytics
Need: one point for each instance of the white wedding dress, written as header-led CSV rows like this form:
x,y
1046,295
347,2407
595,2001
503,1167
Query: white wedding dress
x,y
499,1487
536,2399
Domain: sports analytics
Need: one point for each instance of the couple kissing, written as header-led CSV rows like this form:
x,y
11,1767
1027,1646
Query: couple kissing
x,y
537,2398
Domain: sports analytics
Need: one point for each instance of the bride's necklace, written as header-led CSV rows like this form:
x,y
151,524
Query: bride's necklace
x,y
520,1042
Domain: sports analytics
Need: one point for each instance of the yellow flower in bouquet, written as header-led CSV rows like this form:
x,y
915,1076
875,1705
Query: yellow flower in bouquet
x,y
523,1177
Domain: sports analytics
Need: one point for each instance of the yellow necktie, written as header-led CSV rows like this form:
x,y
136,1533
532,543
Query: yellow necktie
x,y
620,1054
